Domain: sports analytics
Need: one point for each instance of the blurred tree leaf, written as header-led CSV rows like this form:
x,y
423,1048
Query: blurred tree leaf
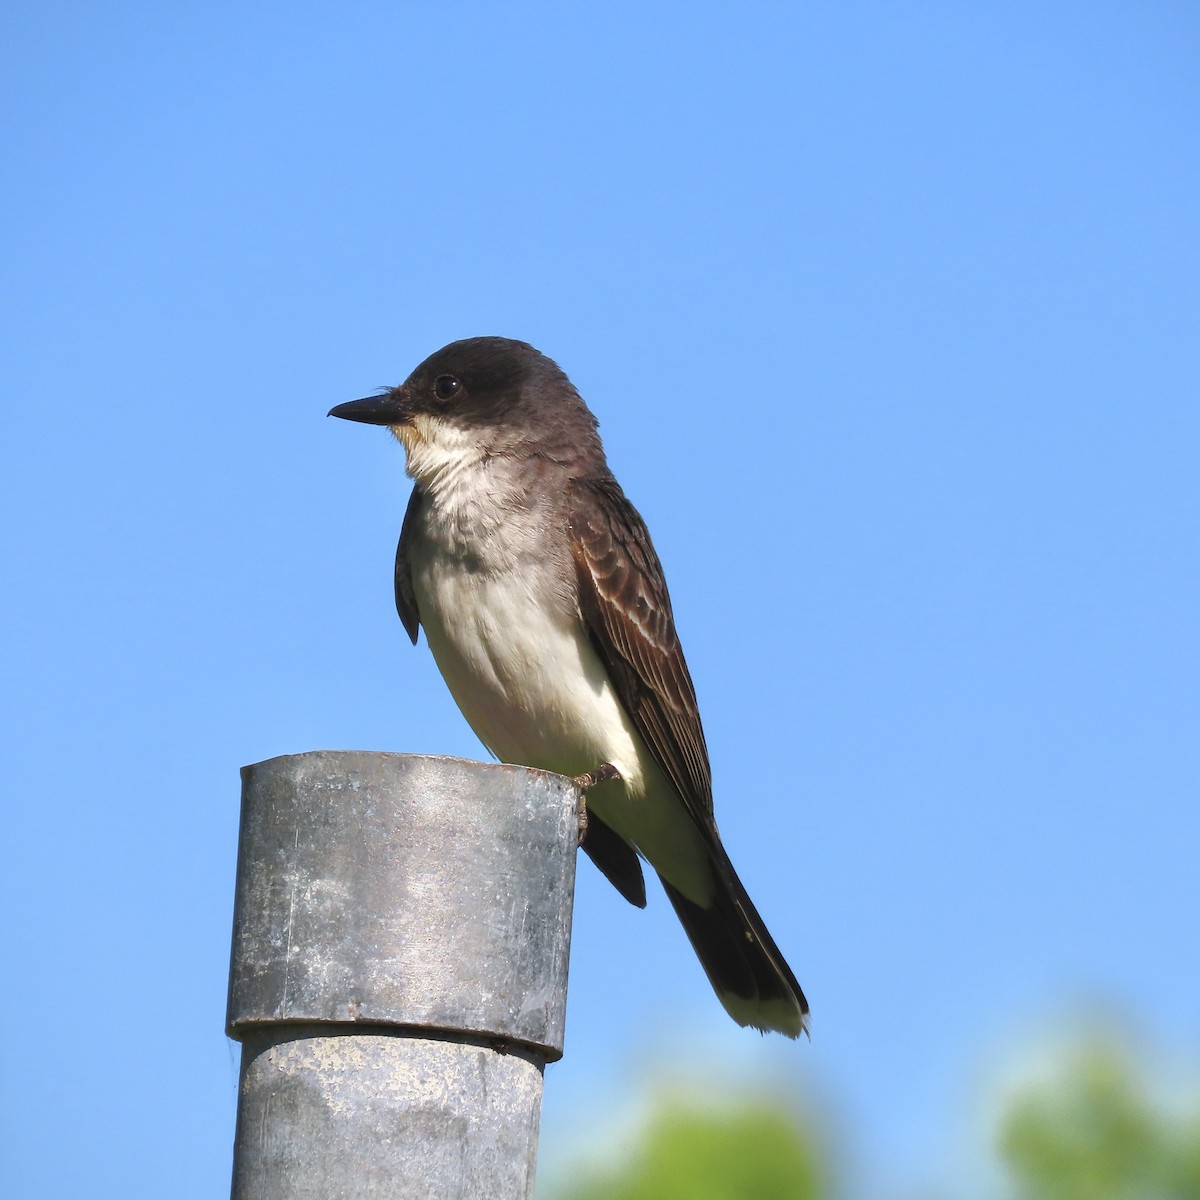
x,y
1092,1132
751,1151
1094,1135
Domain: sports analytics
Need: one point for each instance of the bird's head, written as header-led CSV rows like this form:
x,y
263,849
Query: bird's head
x,y
477,399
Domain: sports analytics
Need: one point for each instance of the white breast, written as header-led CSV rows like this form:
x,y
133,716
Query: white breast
x,y
525,678
509,641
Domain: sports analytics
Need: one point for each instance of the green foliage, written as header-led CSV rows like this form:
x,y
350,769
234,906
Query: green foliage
x,y
753,1151
1095,1136
1091,1132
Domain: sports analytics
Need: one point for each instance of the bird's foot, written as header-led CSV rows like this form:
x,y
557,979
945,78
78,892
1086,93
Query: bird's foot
x,y
604,773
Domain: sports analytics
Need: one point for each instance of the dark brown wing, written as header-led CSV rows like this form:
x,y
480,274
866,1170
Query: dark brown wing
x,y
406,600
623,599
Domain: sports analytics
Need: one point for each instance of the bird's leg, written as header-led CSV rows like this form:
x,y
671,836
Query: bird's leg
x,y
602,774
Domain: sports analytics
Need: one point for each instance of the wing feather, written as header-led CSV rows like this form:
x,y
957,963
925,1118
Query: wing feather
x,y
406,598
624,601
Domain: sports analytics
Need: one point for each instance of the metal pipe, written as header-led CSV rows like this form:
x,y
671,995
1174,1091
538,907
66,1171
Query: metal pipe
x,y
398,978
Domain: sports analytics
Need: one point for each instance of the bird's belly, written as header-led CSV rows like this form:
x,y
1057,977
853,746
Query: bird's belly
x,y
525,677
535,692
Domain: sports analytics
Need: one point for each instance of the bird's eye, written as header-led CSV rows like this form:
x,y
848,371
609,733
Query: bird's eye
x,y
445,387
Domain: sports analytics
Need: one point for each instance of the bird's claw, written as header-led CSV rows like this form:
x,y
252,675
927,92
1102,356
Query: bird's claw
x,y
604,773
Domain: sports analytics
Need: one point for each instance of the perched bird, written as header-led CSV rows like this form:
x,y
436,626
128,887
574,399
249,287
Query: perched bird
x,y
546,610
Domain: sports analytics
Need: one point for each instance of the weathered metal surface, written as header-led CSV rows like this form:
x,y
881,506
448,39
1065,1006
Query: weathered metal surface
x,y
398,979
373,1115
405,889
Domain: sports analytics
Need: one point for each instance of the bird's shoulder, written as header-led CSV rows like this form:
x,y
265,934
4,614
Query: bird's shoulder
x,y
613,549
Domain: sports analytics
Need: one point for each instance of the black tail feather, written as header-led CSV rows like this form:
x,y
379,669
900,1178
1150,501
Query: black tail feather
x,y
745,967
617,859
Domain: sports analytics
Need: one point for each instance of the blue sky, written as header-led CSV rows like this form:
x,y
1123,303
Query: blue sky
x,y
889,314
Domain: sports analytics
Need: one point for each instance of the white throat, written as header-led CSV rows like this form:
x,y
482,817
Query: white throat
x,y
438,452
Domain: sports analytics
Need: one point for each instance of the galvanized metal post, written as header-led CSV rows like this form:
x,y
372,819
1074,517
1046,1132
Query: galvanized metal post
x,y
398,981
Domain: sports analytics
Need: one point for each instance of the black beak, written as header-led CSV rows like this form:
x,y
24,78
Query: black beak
x,y
387,409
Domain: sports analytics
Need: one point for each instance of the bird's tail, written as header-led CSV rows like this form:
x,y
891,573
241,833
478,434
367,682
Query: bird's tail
x,y
739,956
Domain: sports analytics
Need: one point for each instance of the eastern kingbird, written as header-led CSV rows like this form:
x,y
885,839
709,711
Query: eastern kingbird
x,y
547,612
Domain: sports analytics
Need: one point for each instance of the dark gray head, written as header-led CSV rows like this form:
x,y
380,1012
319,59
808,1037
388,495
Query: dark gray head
x,y
482,398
